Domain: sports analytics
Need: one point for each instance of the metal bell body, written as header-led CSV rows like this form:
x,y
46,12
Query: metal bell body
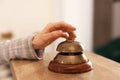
x,y
70,46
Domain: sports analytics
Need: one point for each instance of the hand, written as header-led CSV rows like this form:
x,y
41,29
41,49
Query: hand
x,y
52,32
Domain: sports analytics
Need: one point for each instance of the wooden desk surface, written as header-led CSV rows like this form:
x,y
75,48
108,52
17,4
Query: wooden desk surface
x,y
103,69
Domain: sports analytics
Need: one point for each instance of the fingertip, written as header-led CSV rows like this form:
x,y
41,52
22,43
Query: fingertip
x,y
69,26
74,28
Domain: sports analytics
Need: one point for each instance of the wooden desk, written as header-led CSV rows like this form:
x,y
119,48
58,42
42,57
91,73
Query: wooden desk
x,y
103,69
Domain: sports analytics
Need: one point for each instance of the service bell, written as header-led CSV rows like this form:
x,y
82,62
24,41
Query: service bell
x,y
70,58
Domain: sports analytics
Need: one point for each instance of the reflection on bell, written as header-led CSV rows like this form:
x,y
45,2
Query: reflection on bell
x,y
70,58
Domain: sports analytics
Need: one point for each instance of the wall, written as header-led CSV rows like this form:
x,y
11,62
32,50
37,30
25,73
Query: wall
x,y
79,13
31,15
116,20
24,17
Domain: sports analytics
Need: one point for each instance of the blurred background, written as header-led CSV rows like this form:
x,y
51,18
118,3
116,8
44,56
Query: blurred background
x,y
97,23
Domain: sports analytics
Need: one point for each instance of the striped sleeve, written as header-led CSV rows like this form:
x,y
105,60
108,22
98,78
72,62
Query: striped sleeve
x,y
18,49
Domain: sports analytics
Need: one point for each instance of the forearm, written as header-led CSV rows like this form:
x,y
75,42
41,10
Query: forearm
x,y
19,48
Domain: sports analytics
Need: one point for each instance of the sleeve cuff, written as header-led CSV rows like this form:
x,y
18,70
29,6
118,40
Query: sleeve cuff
x,y
38,54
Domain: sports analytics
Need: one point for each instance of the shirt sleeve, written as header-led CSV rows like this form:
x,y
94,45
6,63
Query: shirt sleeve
x,y
18,49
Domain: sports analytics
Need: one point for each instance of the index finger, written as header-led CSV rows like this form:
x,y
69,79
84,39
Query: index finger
x,y
59,26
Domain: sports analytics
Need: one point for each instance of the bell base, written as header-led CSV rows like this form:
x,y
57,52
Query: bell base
x,y
70,68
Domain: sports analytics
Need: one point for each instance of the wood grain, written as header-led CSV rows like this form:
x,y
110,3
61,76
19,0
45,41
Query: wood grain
x,y
103,69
